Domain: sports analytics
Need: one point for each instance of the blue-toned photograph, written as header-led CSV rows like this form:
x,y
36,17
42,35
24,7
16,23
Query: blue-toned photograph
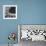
x,y
9,11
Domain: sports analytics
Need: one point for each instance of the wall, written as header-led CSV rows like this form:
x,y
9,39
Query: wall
x,y
34,12
29,12
7,26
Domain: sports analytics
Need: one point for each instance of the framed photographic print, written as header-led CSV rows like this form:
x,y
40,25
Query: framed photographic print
x,y
9,11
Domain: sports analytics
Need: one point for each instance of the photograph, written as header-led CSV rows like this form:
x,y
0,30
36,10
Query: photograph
x,y
9,11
